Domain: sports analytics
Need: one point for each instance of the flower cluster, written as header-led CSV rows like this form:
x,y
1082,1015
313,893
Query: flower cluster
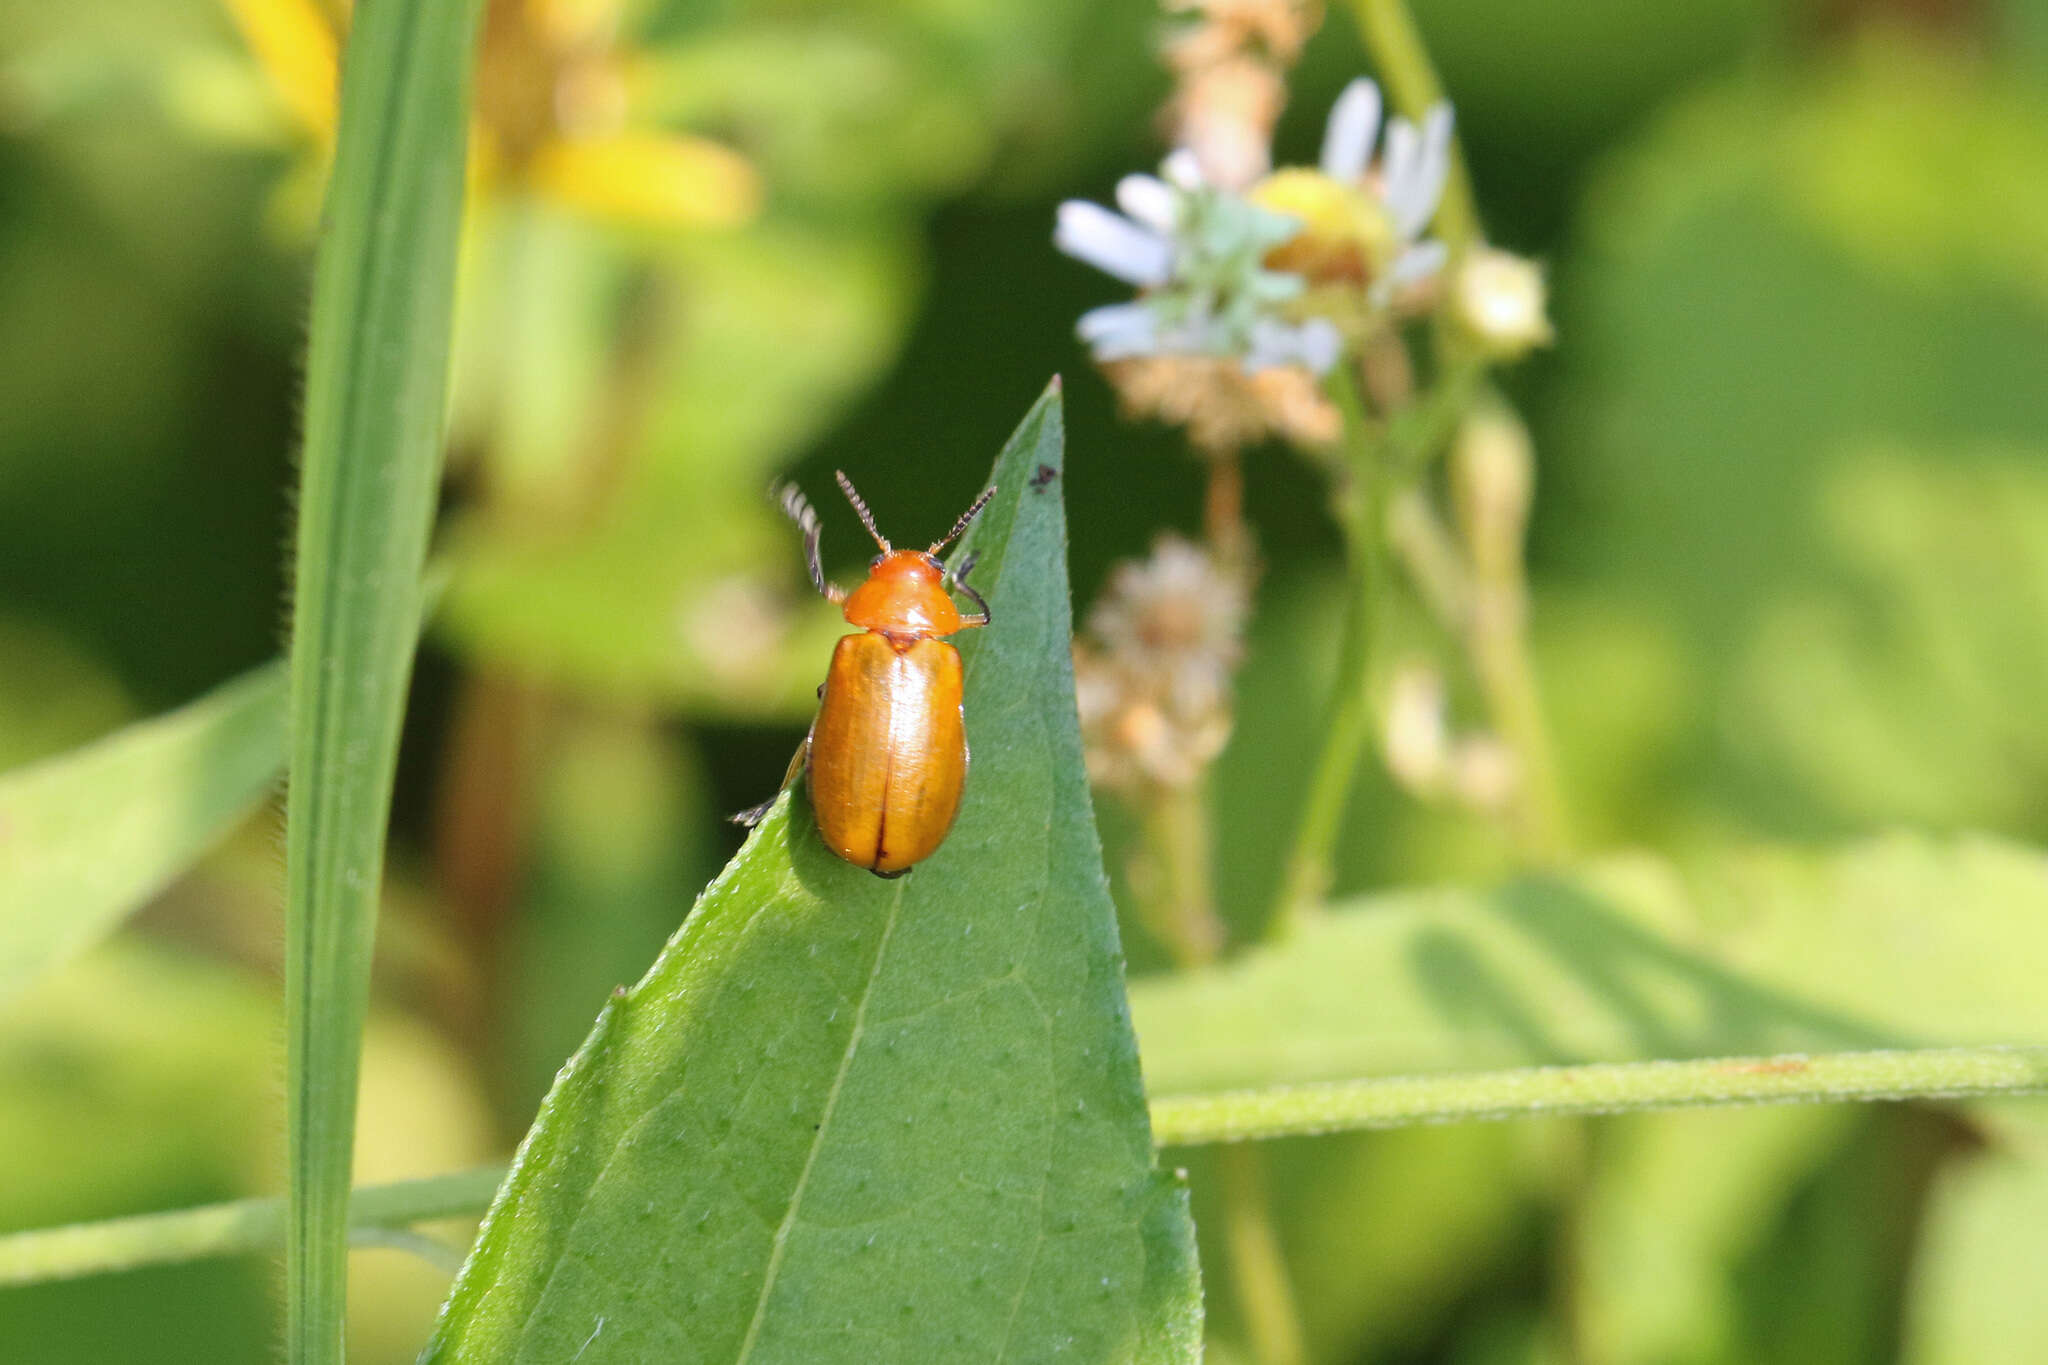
x,y
1280,276
1152,671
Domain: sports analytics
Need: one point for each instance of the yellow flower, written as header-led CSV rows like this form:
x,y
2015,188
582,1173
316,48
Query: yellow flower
x,y
1363,219
552,115
1346,236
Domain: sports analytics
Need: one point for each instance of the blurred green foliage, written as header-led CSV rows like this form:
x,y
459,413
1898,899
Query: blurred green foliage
x,y
1788,561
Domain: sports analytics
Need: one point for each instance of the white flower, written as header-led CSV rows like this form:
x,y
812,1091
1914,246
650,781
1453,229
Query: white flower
x,y
1348,135
1414,167
1199,254
1115,246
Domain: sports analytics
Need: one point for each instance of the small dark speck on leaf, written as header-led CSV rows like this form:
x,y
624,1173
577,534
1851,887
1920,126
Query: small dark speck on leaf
x,y
1044,475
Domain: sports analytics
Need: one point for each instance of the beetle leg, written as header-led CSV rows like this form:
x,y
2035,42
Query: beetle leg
x,y
959,581
798,509
754,815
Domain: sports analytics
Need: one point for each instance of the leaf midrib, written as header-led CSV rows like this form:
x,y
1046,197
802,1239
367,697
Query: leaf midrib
x,y
803,1179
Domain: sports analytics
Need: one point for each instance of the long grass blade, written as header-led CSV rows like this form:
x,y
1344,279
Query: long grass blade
x,y
376,379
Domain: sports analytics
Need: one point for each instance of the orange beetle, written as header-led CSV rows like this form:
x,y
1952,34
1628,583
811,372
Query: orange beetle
x,y
887,755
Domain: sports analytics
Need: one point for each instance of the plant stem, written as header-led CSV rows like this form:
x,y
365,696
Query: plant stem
x,y
1183,916
1265,1293
1497,639
1489,616
1492,627
1431,557
237,1228
250,1225
1182,913
1305,878
1395,46
1223,512
1601,1088
435,1252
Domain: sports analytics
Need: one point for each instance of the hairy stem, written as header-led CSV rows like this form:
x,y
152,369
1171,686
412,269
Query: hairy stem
x,y
1601,1088
250,1225
237,1228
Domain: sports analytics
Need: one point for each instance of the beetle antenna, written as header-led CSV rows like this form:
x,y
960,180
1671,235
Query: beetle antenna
x,y
798,509
965,517
867,518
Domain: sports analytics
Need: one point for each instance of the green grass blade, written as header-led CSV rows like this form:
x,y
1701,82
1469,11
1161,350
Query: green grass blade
x,y
845,1119
87,836
376,374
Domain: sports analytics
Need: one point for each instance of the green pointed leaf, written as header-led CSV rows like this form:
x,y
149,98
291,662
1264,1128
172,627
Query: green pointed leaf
x,y
87,836
850,1119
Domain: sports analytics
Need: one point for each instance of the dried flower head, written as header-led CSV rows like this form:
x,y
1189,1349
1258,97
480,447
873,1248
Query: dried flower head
x,y
1153,668
1224,114
1363,218
1230,58
1178,617
1218,30
1223,408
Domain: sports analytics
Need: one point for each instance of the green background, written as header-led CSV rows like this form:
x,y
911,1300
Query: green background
x,y
1790,559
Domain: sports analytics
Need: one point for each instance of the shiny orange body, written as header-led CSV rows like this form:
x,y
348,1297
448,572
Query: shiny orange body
x,y
888,752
